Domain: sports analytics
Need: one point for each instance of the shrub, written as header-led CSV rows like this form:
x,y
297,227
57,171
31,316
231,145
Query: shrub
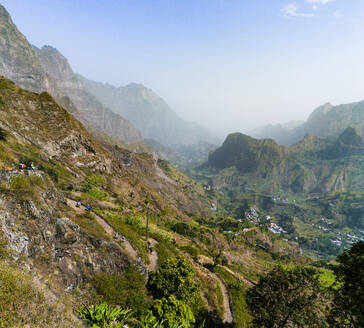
x,y
175,276
1,101
191,250
287,298
127,290
174,311
105,316
348,294
91,186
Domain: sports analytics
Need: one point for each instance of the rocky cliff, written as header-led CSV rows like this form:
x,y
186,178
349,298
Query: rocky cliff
x,y
46,70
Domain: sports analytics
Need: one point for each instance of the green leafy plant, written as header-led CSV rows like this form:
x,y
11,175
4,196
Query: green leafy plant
x,y
174,311
105,316
175,277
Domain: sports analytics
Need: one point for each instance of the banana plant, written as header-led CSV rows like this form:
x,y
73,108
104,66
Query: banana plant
x,y
105,316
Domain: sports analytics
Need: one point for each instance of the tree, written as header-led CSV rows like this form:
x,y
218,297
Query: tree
x,y
174,311
175,277
348,307
287,298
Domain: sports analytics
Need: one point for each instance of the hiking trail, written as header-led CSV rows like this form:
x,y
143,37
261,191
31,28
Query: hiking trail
x,y
153,265
110,231
228,315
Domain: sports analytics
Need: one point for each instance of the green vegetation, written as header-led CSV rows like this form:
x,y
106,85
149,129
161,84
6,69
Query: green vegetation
x,y
174,277
105,316
22,304
348,302
91,186
127,290
174,311
242,317
88,222
25,183
288,297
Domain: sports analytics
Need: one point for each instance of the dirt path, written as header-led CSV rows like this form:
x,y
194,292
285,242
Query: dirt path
x,y
228,315
110,231
239,277
153,265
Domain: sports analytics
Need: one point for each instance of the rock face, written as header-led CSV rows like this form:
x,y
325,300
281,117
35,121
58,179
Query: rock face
x,y
18,61
46,69
310,166
93,112
149,113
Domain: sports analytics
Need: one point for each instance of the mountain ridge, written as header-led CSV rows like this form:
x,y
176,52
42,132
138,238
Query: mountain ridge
x,y
149,112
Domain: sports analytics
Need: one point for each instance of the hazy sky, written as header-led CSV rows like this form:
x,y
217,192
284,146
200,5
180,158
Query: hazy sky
x,y
229,64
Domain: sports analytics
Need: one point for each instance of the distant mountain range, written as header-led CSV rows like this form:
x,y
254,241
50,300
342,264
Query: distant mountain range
x,y
149,113
313,165
325,121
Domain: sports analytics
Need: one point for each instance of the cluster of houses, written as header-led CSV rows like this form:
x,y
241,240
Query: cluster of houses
x,y
275,228
341,237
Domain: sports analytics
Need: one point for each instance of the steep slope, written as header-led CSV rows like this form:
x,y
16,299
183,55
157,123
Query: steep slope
x,y
69,252
150,113
46,70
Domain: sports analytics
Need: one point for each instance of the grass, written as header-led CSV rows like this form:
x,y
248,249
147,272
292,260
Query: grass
x,y
128,290
132,233
88,223
22,305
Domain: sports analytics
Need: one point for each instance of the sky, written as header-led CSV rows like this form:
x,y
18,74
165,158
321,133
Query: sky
x,y
231,65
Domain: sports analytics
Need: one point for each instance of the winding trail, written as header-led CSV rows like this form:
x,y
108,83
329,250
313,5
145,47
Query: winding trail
x,y
109,229
239,277
228,315
153,265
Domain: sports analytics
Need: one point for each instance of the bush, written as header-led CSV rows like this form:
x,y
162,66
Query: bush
x,y
1,101
288,297
127,290
175,276
91,186
105,316
174,311
348,294
190,250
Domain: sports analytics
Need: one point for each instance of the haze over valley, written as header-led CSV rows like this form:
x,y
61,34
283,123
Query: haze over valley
x,y
181,164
